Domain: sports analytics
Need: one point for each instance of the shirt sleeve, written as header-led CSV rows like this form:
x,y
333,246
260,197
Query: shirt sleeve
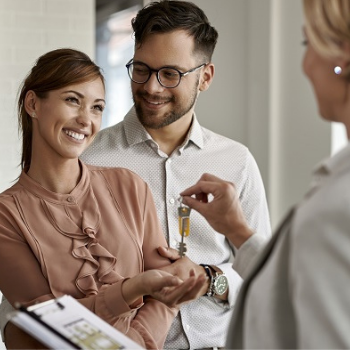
x,y
247,253
243,261
255,208
235,281
149,324
253,199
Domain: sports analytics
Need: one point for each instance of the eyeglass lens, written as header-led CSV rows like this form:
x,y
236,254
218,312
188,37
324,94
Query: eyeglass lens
x,y
140,73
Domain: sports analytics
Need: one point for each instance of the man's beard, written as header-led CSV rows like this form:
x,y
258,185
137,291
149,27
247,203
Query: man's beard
x,y
150,120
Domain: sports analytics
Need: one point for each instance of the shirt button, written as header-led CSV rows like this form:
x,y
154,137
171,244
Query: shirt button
x,y
171,200
169,160
188,327
70,199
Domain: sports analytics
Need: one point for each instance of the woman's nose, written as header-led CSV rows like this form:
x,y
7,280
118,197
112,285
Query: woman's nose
x,y
84,117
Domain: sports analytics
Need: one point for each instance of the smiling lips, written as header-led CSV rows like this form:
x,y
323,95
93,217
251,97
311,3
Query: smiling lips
x,y
155,102
74,135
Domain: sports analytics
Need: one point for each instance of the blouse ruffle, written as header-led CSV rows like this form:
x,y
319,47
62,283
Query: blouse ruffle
x,y
81,225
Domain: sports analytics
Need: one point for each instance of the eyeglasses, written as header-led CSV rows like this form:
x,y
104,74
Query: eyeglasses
x,y
168,77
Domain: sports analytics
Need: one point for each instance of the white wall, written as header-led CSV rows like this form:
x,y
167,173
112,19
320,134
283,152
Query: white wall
x,y
261,97
29,28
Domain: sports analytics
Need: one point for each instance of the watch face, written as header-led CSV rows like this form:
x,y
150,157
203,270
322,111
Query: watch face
x,y
220,284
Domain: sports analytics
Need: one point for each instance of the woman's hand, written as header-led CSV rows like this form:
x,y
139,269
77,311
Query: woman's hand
x,y
163,286
176,295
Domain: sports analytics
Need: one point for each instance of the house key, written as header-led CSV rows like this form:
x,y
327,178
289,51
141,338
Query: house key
x,y
184,226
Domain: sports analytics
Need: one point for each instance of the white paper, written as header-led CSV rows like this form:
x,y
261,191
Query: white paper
x,y
74,322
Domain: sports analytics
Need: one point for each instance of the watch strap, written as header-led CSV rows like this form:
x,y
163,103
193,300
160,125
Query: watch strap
x,y
207,269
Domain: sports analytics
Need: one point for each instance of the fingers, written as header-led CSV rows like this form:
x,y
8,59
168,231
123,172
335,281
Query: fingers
x,y
195,292
200,190
207,184
210,177
195,203
186,292
169,253
166,282
202,186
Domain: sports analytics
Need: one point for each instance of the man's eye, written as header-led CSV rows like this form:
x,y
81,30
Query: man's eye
x,y
170,74
141,70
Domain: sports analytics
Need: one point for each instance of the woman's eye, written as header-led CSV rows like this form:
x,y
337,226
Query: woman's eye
x,y
72,99
99,107
305,42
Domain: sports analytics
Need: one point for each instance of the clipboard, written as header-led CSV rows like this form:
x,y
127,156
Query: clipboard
x,y
64,323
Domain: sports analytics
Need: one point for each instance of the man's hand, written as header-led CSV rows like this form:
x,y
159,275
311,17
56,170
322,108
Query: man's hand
x,y
224,213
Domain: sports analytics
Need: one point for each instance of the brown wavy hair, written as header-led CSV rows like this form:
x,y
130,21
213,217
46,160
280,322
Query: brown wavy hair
x,y
53,70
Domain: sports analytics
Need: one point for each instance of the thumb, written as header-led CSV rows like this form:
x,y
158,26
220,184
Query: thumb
x,y
169,253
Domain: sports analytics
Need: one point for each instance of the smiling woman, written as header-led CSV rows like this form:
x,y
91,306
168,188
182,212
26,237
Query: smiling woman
x,y
55,70
73,226
64,122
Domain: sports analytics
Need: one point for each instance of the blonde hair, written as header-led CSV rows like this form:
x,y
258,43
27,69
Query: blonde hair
x,y
328,26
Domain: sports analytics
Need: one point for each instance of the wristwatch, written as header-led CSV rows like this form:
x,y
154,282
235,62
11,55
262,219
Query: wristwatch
x,y
218,283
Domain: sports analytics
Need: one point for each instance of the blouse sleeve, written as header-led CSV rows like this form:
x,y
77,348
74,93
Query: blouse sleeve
x,y
153,320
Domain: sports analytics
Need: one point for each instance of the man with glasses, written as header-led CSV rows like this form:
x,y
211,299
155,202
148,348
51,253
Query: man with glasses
x,y
162,141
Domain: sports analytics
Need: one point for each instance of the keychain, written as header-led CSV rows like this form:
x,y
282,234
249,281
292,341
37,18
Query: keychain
x,y
184,226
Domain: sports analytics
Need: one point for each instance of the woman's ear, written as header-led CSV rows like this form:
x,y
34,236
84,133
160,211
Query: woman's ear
x,y
30,102
344,62
207,77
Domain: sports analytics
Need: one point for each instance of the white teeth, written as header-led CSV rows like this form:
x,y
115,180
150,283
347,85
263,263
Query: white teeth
x,y
75,135
155,103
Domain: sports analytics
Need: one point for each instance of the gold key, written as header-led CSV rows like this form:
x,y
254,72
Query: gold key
x,y
184,226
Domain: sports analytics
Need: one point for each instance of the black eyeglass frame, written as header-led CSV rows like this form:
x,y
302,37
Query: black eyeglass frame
x,y
151,70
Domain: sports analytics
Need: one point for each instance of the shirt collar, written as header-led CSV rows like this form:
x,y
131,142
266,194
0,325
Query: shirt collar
x,y
195,134
331,165
34,187
136,133
336,163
